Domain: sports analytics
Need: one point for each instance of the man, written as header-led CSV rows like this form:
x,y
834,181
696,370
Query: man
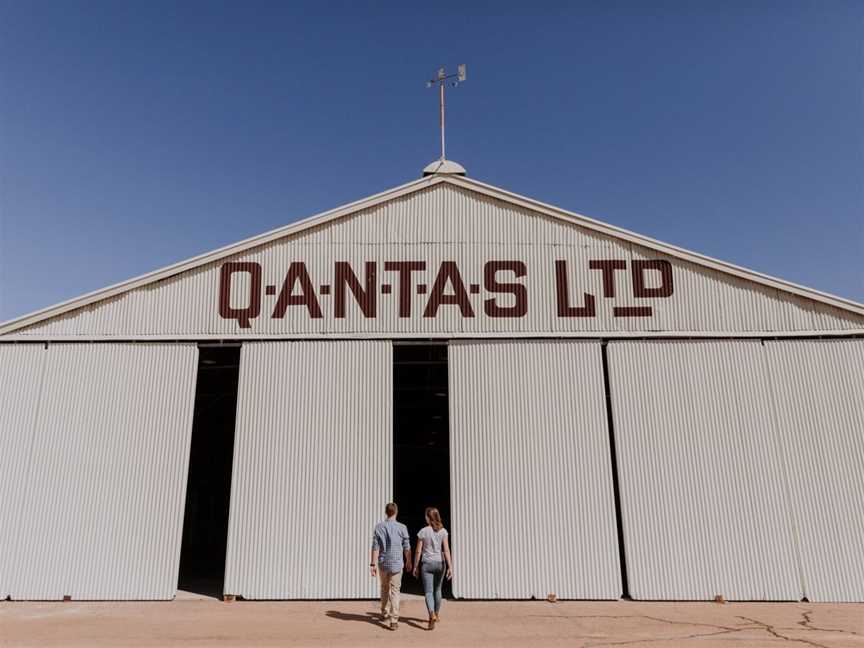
x,y
391,553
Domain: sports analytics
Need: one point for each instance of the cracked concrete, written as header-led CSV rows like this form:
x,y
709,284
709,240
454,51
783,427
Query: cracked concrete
x,y
588,624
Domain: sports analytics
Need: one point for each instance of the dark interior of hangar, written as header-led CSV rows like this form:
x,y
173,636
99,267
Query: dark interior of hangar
x,y
205,524
421,462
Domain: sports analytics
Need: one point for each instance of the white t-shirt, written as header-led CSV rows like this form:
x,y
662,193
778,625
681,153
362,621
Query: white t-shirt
x,y
432,543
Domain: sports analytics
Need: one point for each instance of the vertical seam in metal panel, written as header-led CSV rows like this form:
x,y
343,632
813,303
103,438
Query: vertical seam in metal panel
x,y
787,489
625,591
29,467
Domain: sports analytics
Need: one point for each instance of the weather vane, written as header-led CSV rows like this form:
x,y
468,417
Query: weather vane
x,y
441,79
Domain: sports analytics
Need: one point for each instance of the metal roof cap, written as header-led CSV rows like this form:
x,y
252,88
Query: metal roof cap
x,y
444,167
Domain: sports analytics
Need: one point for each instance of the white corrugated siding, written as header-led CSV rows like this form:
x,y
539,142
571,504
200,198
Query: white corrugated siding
x,y
449,223
532,495
704,509
21,371
103,507
819,392
313,468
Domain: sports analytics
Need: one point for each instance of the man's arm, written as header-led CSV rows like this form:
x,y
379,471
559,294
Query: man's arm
x,y
374,553
406,548
373,562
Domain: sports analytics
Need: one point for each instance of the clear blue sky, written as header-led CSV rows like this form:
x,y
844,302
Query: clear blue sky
x,y
137,134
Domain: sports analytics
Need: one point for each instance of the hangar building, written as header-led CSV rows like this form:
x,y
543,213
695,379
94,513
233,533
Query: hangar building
x,y
623,416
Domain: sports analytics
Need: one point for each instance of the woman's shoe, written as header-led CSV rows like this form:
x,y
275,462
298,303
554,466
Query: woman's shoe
x,y
431,622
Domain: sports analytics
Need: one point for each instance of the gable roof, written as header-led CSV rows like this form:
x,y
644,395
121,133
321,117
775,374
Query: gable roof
x,y
469,184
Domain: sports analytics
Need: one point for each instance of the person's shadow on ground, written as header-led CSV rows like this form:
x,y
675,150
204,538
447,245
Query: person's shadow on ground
x,y
374,619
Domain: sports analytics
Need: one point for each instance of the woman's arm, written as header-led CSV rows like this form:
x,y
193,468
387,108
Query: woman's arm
x,y
447,558
417,553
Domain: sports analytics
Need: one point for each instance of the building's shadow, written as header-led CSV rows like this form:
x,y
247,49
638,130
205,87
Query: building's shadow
x,y
374,619
370,617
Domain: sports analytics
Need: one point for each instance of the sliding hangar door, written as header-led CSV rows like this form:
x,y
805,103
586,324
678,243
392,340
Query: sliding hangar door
x,y
313,468
532,491
94,445
741,468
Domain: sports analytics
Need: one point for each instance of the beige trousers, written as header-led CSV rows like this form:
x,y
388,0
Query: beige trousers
x,y
391,584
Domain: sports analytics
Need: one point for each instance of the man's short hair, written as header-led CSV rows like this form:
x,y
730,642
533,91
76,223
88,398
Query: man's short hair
x,y
391,509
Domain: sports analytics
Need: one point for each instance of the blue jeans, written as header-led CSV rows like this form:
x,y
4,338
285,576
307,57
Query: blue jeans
x,y
432,574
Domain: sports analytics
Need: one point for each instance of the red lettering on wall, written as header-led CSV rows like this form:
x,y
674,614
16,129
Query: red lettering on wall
x,y
448,273
507,295
253,308
562,290
365,298
307,297
404,268
638,269
518,290
608,267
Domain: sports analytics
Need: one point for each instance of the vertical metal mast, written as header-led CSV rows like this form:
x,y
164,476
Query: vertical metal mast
x,y
441,79
441,86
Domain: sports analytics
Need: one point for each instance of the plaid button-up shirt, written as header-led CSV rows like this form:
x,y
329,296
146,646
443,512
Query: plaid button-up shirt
x,y
390,539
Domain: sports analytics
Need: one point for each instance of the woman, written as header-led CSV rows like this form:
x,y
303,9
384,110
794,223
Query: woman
x,y
434,549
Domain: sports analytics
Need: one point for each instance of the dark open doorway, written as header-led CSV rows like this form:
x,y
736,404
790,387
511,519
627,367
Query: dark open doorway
x,y
421,423
208,492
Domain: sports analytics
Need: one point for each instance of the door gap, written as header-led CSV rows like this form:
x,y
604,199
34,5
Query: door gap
x,y
625,591
421,429
208,489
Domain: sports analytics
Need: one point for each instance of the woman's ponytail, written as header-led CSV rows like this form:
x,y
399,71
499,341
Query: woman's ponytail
x,y
434,518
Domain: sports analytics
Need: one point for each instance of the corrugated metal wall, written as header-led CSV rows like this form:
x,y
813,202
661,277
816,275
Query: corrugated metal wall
x,y
703,501
453,224
818,386
21,373
105,489
313,468
532,494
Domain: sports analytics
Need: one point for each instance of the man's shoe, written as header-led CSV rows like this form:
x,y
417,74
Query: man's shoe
x,y
394,625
